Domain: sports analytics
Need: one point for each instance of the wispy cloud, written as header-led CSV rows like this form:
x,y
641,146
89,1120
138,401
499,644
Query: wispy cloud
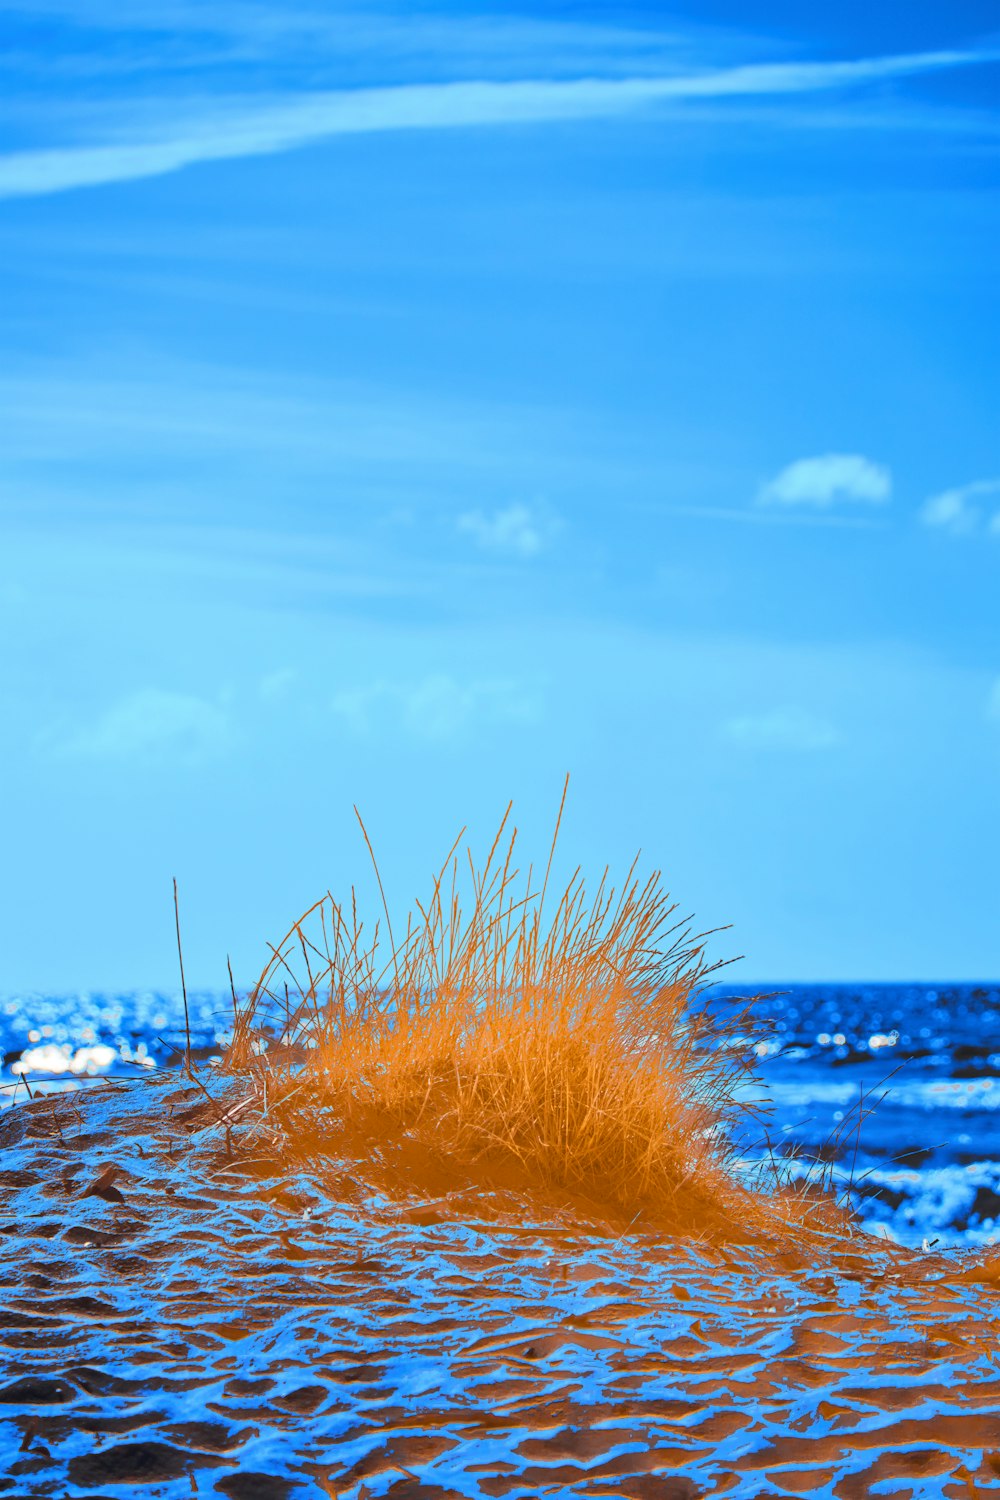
x,y
516,529
235,130
253,26
437,708
773,516
156,409
401,41
786,728
154,724
957,511
830,479
274,687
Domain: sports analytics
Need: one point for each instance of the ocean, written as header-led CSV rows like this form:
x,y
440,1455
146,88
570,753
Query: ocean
x,y
891,1094
888,1092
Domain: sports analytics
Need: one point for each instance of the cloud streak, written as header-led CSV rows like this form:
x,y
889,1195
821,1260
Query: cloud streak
x,y
437,708
237,131
774,516
782,729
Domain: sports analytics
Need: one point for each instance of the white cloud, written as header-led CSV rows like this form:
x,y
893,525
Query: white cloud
x,y
233,130
829,479
153,723
955,510
781,729
437,708
516,529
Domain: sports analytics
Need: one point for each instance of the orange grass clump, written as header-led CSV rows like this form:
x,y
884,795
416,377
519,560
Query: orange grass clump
x,y
577,1059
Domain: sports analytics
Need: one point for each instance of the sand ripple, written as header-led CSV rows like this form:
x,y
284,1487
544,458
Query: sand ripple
x,y
193,1330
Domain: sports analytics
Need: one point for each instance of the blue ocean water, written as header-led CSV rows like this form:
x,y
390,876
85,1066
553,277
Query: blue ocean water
x,y
889,1092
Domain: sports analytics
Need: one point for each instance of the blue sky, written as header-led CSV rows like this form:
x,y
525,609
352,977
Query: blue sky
x,y
406,408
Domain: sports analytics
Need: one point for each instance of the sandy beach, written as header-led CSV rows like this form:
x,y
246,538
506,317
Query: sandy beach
x,y
193,1327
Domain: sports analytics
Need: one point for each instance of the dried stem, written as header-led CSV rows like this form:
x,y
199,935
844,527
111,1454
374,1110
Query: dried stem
x,y
180,956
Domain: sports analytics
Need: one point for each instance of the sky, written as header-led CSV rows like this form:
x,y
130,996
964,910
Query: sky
x,y
408,407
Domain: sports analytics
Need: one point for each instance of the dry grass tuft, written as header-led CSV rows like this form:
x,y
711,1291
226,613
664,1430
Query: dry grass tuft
x,y
578,1058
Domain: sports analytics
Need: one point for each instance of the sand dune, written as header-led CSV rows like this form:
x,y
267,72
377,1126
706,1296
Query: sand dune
x,y
190,1327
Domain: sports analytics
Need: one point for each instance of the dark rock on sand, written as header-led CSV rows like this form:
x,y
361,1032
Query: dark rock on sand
x,y
33,1390
133,1463
254,1487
